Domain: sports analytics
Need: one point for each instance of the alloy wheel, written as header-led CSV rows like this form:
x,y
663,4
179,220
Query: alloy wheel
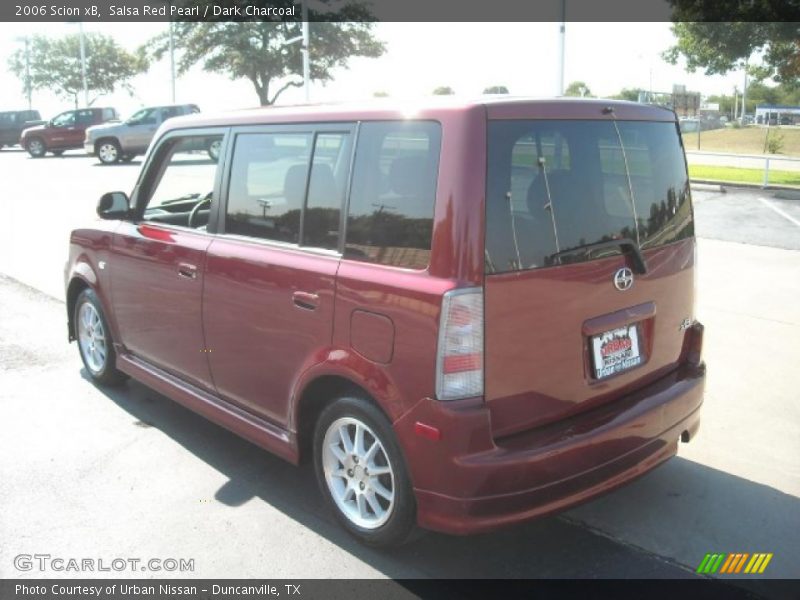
x,y
92,337
358,473
107,152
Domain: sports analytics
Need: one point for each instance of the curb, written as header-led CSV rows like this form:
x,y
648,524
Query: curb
x,y
722,185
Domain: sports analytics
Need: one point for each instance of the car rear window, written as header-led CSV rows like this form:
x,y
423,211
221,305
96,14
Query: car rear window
x,y
555,188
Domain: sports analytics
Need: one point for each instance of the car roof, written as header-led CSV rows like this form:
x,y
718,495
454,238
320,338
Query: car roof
x,y
495,107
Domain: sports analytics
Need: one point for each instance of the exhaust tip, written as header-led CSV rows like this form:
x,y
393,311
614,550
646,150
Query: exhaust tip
x,y
686,436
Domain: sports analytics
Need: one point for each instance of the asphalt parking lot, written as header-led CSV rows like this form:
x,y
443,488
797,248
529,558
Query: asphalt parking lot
x,y
89,472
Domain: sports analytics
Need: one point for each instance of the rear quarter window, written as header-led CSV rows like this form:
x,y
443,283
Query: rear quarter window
x,y
392,197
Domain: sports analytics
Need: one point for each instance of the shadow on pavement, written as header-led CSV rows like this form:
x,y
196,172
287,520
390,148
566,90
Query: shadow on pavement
x,y
547,548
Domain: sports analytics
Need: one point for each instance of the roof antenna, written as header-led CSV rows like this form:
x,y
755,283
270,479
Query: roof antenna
x,y
608,110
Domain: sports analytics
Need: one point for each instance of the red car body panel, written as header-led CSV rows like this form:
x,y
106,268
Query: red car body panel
x,y
237,344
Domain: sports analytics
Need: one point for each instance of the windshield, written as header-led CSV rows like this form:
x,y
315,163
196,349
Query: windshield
x,y
558,191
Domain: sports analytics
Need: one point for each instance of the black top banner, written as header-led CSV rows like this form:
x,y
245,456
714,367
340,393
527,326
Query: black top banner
x,y
402,10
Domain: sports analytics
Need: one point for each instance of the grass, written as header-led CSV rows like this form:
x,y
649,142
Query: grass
x,y
739,175
747,140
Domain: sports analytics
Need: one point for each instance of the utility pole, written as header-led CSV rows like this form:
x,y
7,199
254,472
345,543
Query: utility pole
x,y
562,50
28,71
83,66
306,60
172,60
28,87
744,92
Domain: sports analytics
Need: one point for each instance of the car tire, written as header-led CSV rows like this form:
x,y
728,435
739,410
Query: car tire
x,y
366,486
213,149
108,151
95,344
36,147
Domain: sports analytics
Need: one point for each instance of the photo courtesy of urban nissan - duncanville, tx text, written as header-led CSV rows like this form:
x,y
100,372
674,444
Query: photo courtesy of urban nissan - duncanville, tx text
x,y
464,317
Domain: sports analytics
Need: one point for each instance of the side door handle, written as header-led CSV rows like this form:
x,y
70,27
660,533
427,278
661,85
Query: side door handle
x,y
305,300
187,271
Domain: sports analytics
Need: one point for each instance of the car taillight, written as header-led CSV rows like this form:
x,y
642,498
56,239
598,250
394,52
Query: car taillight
x,y
459,359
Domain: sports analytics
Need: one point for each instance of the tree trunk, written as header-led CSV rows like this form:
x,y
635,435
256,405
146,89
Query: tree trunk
x,y
263,93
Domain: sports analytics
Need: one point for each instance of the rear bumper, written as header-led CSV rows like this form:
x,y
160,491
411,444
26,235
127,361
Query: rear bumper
x,y
469,483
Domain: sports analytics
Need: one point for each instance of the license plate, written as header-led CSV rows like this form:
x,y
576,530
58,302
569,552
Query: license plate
x,y
615,351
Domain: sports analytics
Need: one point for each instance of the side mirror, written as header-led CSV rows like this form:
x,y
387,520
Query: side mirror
x,y
113,205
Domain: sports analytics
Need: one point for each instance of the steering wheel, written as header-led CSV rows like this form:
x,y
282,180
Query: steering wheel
x,y
196,209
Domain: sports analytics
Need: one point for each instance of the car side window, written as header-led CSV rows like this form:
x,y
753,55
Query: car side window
x,y
390,217
65,119
85,117
269,172
326,190
183,188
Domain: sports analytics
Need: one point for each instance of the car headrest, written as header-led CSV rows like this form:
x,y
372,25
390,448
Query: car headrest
x,y
323,191
294,184
408,174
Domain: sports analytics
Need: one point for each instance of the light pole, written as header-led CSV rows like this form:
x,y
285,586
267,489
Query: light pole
x,y
562,47
744,92
172,61
306,61
305,39
83,65
28,92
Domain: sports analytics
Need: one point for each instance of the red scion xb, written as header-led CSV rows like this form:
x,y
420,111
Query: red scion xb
x,y
465,314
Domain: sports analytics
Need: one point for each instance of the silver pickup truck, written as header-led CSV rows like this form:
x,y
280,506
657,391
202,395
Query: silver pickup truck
x,y
123,141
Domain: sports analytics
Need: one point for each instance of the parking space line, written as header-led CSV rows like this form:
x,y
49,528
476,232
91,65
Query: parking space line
x,y
769,204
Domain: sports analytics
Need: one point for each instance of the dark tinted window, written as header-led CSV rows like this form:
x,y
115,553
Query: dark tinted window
x,y
65,119
85,117
268,185
555,187
326,189
659,182
390,219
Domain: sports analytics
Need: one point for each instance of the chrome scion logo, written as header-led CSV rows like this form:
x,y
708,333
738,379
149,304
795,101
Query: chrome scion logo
x,y
623,279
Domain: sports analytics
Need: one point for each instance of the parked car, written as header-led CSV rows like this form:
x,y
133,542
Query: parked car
x,y
64,131
465,318
124,141
12,123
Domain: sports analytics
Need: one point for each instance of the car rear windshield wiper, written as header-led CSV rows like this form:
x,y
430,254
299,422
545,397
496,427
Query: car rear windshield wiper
x,y
627,245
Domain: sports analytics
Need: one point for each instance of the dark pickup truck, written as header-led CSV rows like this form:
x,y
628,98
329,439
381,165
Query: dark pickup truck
x,y
12,123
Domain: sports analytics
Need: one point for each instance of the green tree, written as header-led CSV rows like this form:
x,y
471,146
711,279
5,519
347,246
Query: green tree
x,y
55,64
380,94
719,47
443,90
496,89
579,89
257,51
631,94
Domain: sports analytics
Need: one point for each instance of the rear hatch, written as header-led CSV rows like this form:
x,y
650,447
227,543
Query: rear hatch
x,y
589,263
